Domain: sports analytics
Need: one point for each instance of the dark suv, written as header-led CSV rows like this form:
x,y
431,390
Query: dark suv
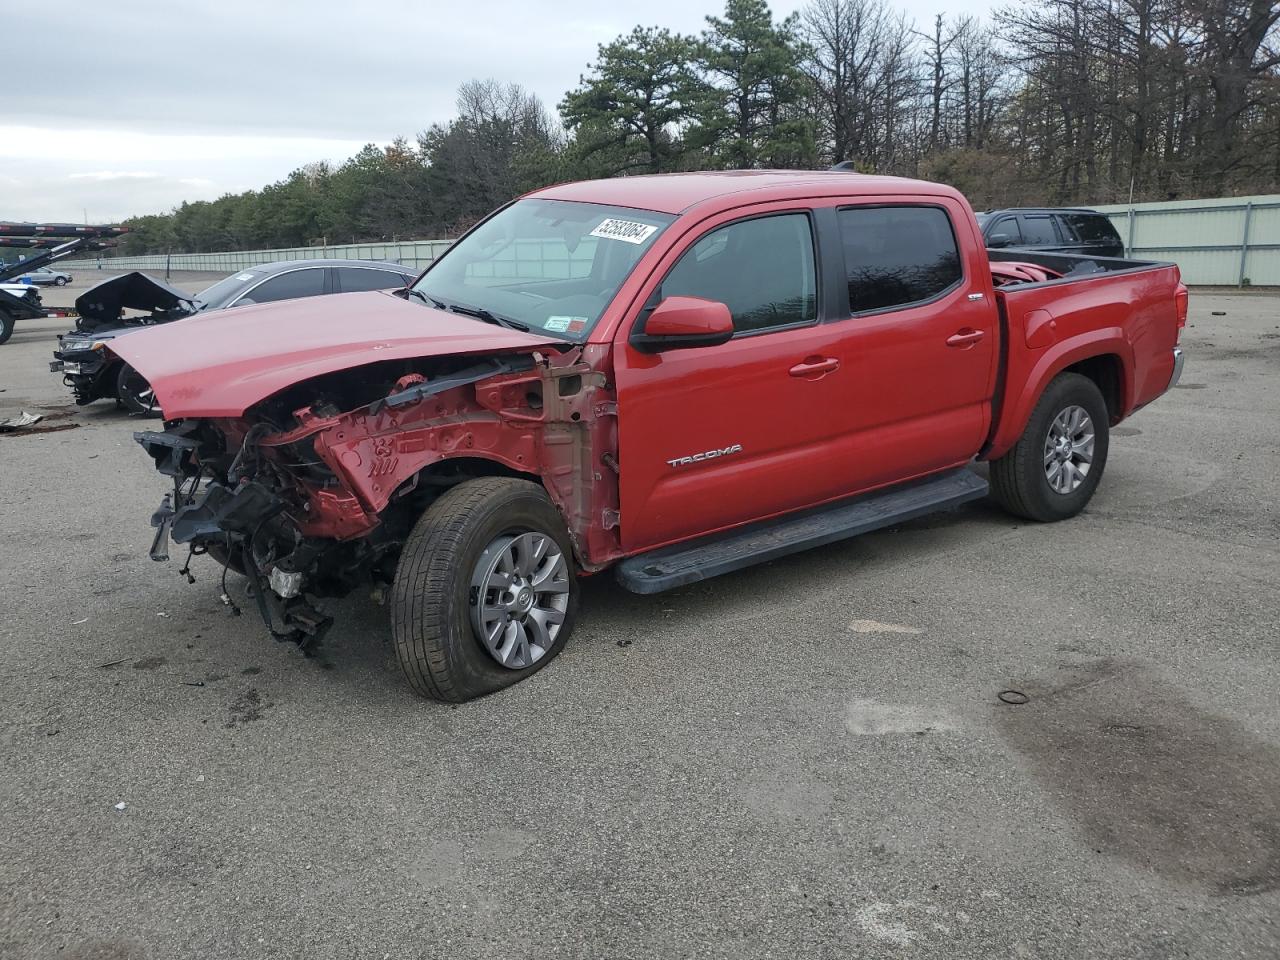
x,y
1060,230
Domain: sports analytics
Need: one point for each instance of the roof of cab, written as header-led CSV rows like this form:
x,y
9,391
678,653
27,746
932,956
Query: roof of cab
x,y
679,192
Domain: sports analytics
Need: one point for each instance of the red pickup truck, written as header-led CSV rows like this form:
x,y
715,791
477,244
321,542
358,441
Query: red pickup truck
x,y
673,376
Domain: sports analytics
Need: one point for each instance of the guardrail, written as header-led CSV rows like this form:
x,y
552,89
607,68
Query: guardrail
x,y
410,253
1220,242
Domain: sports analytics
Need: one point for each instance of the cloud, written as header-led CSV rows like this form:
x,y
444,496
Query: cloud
x,y
112,175
215,96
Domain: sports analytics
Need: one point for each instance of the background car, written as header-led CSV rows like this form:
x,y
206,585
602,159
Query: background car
x,y
94,373
290,279
43,276
1054,230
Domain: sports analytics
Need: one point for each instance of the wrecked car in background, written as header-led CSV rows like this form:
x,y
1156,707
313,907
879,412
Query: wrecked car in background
x,y
94,372
673,376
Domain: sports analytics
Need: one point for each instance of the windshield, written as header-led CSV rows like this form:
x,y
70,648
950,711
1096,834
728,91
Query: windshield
x,y
549,265
225,288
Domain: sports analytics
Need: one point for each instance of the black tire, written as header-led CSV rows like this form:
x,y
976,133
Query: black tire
x,y
439,651
136,395
60,282
6,326
1019,482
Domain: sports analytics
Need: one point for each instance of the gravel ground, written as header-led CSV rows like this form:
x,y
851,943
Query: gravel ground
x,y
806,759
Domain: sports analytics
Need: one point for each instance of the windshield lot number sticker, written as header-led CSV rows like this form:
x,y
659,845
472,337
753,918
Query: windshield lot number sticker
x,y
565,324
628,231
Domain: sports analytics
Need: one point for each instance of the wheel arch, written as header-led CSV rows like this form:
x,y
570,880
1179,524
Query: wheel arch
x,y
1107,371
1105,357
442,474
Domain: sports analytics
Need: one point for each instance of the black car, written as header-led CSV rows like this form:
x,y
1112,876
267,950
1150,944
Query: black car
x,y
93,373
1055,230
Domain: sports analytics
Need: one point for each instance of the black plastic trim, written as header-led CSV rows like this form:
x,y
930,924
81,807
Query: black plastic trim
x,y
701,559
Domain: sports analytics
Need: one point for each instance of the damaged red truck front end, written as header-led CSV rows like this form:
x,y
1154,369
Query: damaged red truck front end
x,y
307,476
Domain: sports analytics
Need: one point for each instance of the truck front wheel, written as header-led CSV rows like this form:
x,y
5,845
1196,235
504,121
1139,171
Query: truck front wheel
x,y
485,592
6,326
1053,470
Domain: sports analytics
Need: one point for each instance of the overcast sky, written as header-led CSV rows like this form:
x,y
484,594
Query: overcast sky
x,y
173,100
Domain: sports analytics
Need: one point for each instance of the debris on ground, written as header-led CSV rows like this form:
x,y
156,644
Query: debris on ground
x,y
21,421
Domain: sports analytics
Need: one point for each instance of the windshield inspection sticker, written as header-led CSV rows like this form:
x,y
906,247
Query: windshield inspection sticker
x,y
628,231
565,324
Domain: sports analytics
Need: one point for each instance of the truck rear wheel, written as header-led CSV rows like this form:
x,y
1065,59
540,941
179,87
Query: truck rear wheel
x,y
1053,470
485,593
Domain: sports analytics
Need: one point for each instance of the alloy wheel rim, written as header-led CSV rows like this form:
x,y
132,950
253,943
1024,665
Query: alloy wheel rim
x,y
1068,450
141,390
519,598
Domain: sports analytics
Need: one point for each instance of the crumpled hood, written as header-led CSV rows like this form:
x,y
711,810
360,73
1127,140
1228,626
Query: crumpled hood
x,y
106,302
220,363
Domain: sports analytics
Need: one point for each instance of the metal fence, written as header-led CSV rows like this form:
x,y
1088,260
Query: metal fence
x,y
1222,242
410,253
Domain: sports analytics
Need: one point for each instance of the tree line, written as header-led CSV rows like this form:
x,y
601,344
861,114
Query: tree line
x,y
1049,102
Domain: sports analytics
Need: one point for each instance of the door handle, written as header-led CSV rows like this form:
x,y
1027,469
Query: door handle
x,y
815,367
965,338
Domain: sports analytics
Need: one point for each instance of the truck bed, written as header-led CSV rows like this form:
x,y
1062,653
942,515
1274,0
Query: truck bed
x,y
1115,311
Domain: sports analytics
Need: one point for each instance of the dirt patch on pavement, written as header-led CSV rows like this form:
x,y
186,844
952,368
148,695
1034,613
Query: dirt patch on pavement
x,y
1152,778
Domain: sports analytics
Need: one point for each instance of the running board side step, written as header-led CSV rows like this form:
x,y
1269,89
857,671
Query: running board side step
x,y
686,563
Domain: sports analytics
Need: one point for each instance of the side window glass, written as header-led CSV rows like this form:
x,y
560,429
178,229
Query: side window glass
x,y
353,279
287,286
1005,233
1039,231
896,256
1091,228
762,269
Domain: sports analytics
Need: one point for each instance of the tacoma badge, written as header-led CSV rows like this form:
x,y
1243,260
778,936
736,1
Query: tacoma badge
x,y
708,455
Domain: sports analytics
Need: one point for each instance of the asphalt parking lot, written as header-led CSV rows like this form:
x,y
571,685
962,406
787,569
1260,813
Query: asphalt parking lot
x,y
806,759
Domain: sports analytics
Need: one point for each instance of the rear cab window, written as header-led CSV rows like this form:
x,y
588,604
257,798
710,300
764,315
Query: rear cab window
x,y
898,255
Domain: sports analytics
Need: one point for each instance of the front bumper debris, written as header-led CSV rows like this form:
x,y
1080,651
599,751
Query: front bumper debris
x,y
230,520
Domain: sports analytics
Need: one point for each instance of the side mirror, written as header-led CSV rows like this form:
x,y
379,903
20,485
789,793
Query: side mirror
x,y
1000,240
678,323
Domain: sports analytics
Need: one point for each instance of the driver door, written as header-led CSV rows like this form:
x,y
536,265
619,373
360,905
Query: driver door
x,y
711,437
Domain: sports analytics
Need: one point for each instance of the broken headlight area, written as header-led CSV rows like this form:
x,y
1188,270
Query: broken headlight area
x,y
241,508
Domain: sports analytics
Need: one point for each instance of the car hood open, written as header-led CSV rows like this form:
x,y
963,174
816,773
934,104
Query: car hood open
x,y
105,302
218,364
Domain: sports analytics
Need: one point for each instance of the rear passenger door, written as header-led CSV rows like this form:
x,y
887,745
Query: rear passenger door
x,y
916,336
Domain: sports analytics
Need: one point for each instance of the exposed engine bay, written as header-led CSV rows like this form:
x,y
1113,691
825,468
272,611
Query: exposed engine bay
x,y
312,492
